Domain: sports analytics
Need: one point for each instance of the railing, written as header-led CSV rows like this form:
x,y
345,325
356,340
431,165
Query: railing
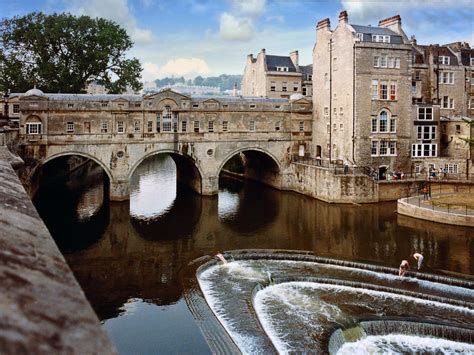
x,y
338,167
425,200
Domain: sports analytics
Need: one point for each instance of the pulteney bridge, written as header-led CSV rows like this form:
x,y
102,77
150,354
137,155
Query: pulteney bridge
x,y
201,134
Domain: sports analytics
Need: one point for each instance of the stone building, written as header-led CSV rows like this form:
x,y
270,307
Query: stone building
x,y
276,76
442,89
361,94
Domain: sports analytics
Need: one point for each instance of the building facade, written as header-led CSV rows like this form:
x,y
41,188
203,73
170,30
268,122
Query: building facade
x,y
276,76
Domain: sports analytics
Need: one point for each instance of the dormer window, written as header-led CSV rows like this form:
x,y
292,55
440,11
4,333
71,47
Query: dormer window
x,y
360,36
445,60
282,68
381,38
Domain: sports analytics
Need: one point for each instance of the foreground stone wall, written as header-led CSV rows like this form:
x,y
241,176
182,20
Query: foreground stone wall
x,y
42,308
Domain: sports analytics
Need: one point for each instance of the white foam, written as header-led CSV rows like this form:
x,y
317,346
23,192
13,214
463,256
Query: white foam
x,y
403,344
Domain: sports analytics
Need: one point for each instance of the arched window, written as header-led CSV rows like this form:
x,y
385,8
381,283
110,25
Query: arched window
x,y
384,123
33,125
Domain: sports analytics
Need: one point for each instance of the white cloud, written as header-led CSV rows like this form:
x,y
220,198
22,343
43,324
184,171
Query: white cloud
x,y
234,28
187,67
252,8
115,10
148,3
278,19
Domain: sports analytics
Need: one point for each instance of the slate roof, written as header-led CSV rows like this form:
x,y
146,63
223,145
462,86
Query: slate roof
x,y
368,31
307,69
274,61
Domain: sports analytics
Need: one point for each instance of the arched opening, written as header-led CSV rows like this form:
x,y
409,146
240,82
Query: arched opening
x,y
71,197
163,189
243,203
33,125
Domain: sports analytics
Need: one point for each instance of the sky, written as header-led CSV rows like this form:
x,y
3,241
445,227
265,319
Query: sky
x,y
212,37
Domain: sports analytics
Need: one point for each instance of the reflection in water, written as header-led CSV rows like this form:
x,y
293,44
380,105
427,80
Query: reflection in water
x,y
143,249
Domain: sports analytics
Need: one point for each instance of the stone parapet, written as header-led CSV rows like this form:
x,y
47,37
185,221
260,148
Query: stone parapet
x,y
42,307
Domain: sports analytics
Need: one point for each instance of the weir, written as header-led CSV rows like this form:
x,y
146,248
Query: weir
x,y
289,302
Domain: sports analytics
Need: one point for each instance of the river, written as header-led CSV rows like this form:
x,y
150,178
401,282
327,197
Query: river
x,y
136,260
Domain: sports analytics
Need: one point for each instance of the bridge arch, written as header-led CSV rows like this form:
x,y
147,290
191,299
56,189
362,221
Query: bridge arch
x,y
187,171
82,154
260,165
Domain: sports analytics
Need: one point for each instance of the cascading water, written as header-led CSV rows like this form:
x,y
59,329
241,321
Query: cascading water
x,y
290,302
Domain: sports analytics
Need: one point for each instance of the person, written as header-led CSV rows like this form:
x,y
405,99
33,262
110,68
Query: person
x,y
318,160
404,267
221,258
425,192
402,175
346,167
419,258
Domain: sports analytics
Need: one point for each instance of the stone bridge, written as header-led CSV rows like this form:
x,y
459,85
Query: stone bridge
x,y
201,134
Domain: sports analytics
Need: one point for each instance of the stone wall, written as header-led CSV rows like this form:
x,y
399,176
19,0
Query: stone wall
x,y
42,307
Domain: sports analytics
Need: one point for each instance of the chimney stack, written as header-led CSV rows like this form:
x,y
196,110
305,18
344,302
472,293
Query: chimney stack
x,y
295,58
343,16
323,24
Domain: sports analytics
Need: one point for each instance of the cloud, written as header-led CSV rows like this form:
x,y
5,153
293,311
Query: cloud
x,y
253,8
147,3
187,67
278,19
239,23
115,10
233,28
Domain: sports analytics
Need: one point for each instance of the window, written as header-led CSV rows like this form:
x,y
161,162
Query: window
x,y
472,61
334,64
397,62
104,126
195,105
383,121
451,168
304,90
392,148
444,60
277,126
383,90
252,106
138,105
446,77
196,126
136,126
383,61
120,127
158,122
326,111
282,68
167,115
33,128
225,126
295,88
70,105
374,125
426,132
70,127
458,129
374,148
272,88
104,104
375,89
383,148
413,87
16,108
252,125
425,113
341,110
301,126
210,126
381,38
423,150
376,61
393,124
149,127
393,90
360,36
334,126
341,126
417,75
447,102
284,88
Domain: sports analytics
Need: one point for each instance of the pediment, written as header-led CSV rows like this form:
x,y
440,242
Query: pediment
x,y
302,101
120,99
211,101
32,98
167,94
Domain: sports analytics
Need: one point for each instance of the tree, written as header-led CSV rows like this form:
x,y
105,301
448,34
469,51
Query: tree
x,y
469,140
62,53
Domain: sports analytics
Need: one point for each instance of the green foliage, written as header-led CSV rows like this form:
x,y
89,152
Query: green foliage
x,y
224,81
62,53
470,140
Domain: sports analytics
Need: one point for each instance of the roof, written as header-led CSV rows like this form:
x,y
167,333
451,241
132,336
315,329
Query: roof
x,y
225,98
307,69
374,30
274,61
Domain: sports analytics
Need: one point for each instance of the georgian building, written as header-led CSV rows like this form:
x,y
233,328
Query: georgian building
x,y
276,76
361,94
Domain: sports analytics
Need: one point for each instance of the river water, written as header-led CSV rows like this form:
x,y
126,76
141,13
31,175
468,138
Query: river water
x,y
136,260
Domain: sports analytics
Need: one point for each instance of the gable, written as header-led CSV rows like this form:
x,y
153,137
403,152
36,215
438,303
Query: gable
x,y
167,93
